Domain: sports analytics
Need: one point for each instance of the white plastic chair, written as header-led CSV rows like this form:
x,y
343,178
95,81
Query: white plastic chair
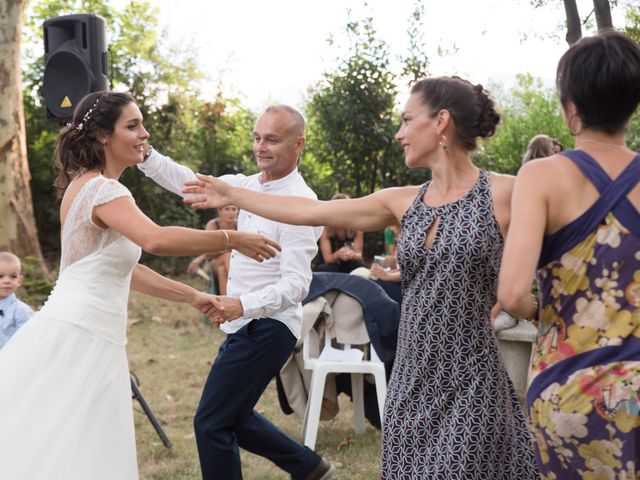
x,y
319,371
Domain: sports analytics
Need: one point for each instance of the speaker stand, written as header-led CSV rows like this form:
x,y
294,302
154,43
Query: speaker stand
x,y
147,410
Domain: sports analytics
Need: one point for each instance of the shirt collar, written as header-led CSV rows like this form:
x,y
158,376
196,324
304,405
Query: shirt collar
x,y
273,184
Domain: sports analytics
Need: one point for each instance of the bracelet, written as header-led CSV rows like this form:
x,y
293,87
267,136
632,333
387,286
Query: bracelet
x,y
148,152
226,235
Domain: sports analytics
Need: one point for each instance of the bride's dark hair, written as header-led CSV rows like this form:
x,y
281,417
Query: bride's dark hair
x,y
77,147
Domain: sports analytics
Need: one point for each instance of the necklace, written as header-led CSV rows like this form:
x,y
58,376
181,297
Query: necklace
x,y
604,144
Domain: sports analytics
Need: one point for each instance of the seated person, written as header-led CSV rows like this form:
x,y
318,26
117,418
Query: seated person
x,y
385,272
341,249
13,312
219,265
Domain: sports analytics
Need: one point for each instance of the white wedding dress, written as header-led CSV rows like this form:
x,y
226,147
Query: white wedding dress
x,y
65,396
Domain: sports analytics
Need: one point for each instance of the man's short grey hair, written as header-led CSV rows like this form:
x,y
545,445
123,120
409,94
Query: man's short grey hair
x,y
297,120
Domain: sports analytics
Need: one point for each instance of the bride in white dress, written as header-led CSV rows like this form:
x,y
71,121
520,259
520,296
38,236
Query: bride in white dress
x,y
65,398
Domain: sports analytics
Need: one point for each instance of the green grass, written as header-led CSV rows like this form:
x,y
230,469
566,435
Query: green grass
x,y
170,350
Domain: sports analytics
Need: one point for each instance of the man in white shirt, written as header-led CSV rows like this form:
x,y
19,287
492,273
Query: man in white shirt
x,y
263,311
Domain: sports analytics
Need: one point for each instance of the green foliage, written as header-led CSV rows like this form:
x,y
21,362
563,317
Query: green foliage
x,y
165,81
527,109
37,285
351,117
226,129
415,64
632,16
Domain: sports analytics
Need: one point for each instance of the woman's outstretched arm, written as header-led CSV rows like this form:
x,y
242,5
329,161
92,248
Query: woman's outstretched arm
x,y
145,280
371,213
124,216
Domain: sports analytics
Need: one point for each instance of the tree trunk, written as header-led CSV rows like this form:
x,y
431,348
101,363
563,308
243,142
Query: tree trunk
x,y
574,28
603,14
18,232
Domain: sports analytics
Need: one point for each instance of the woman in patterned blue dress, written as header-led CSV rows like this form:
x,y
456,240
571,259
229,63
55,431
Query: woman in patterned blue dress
x,y
451,410
577,215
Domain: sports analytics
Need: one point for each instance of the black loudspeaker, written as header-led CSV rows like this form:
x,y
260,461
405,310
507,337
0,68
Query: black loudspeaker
x,y
75,61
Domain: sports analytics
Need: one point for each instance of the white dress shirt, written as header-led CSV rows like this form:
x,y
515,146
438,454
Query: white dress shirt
x,y
276,287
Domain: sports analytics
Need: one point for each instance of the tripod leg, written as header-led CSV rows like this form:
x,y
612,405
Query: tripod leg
x,y
154,421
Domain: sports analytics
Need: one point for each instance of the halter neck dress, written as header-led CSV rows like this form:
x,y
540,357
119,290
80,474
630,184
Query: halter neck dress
x,y
451,410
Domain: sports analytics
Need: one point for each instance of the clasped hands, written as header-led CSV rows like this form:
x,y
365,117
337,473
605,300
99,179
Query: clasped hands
x,y
218,308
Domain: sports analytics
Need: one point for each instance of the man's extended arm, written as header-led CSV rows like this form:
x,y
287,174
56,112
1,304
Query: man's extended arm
x,y
166,173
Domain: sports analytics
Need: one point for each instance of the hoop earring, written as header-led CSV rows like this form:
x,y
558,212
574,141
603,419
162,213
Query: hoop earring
x,y
443,143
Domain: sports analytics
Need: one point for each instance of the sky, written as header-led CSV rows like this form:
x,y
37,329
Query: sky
x,y
269,51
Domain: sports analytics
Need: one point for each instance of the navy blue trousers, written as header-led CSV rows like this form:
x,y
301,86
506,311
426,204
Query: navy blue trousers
x,y
225,419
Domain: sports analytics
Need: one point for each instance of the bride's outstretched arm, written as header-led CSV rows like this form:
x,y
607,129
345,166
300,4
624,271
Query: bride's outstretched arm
x,y
145,280
124,216
370,213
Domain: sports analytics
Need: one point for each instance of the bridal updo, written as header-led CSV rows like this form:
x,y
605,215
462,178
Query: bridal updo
x,y
77,148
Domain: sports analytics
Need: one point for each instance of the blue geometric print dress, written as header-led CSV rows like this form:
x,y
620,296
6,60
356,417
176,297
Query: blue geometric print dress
x,y
451,411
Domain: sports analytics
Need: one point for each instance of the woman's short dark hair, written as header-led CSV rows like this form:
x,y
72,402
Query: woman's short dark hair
x,y
470,106
77,147
601,76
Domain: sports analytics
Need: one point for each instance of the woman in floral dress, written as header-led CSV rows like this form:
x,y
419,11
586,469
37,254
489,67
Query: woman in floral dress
x,y
576,215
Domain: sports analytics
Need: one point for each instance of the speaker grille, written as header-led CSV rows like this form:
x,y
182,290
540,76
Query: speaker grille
x,y
66,76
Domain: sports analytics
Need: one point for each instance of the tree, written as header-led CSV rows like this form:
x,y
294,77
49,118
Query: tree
x,y
632,29
527,109
164,82
601,9
415,64
574,24
351,117
18,231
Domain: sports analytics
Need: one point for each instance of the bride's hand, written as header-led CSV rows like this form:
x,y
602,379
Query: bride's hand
x,y
206,192
209,305
253,245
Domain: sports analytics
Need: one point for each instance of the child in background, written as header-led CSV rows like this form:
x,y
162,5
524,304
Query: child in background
x,y
13,312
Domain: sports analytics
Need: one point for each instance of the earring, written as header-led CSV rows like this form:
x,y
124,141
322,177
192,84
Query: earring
x,y
443,143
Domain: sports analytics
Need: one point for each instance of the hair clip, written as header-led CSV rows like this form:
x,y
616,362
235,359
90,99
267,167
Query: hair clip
x,y
78,126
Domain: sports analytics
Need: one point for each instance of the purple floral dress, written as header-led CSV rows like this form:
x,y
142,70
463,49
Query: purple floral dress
x,y
584,392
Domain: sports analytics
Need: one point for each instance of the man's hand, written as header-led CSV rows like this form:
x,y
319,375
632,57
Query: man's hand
x,y
231,309
206,192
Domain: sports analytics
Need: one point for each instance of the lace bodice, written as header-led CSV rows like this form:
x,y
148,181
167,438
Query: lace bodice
x,y
80,236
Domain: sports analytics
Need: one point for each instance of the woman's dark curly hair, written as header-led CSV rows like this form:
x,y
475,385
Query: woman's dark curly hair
x,y
77,147
470,106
